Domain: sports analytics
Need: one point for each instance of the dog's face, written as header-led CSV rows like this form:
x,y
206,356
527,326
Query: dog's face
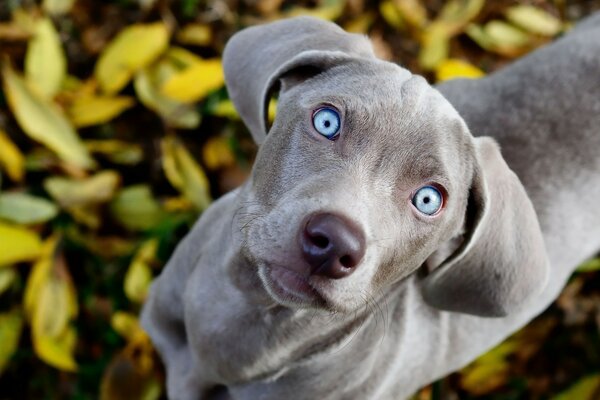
x,y
366,172
333,222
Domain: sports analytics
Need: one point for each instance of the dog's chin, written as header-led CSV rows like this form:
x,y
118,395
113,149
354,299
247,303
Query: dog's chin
x,y
290,289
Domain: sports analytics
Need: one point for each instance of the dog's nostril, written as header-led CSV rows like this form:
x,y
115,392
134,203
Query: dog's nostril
x,y
320,241
347,262
331,245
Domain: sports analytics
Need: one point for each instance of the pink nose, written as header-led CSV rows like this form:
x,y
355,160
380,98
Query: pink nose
x,y
332,245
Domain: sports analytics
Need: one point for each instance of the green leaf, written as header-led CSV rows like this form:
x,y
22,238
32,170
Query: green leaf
x,y
589,266
22,208
135,208
586,389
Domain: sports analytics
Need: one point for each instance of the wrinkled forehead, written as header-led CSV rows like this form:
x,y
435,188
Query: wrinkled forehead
x,y
392,120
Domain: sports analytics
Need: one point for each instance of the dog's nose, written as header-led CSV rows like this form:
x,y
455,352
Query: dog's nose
x,y
332,245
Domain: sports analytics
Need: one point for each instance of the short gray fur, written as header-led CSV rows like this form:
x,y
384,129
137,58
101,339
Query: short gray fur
x,y
430,294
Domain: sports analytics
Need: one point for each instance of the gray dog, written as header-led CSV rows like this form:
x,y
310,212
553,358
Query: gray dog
x,y
381,227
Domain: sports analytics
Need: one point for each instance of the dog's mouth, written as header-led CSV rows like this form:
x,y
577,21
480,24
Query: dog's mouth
x,y
290,288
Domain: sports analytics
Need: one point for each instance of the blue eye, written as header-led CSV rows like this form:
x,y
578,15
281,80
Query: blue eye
x,y
326,121
428,200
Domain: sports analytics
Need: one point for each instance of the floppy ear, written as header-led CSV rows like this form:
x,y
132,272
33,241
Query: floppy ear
x,y
502,263
256,58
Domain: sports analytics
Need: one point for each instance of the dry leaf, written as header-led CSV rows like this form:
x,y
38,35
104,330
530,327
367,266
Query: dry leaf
x,y
117,151
413,12
11,325
50,305
534,20
11,158
88,111
195,34
217,153
194,83
43,121
45,61
391,14
7,277
139,274
57,7
133,49
18,244
454,68
184,173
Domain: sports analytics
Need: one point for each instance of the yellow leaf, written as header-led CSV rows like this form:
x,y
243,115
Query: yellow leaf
x,y
11,325
391,14
11,158
50,304
57,7
195,82
195,34
43,121
484,378
117,151
22,208
360,24
88,111
7,277
184,173
534,20
180,59
126,324
57,352
217,153
95,189
330,12
434,45
585,389
175,114
135,208
454,68
413,12
18,244
81,197
226,109
506,35
456,14
136,47
139,274
45,61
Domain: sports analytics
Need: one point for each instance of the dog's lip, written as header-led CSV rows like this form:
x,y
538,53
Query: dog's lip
x,y
288,286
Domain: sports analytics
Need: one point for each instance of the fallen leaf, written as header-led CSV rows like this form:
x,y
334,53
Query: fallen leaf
x,y
330,12
194,83
413,12
88,111
57,7
184,173
147,86
11,325
50,304
139,273
435,44
589,266
135,208
360,24
24,209
505,35
127,325
585,389
11,158
195,34
133,49
117,151
456,14
534,20
391,14
18,244
217,153
7,277
43,121
96,189
45,61
454,68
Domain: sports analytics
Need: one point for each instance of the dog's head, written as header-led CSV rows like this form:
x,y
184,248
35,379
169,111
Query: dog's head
x,y
365,174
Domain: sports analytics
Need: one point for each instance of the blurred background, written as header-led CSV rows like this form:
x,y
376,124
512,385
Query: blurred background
x,y
116,132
